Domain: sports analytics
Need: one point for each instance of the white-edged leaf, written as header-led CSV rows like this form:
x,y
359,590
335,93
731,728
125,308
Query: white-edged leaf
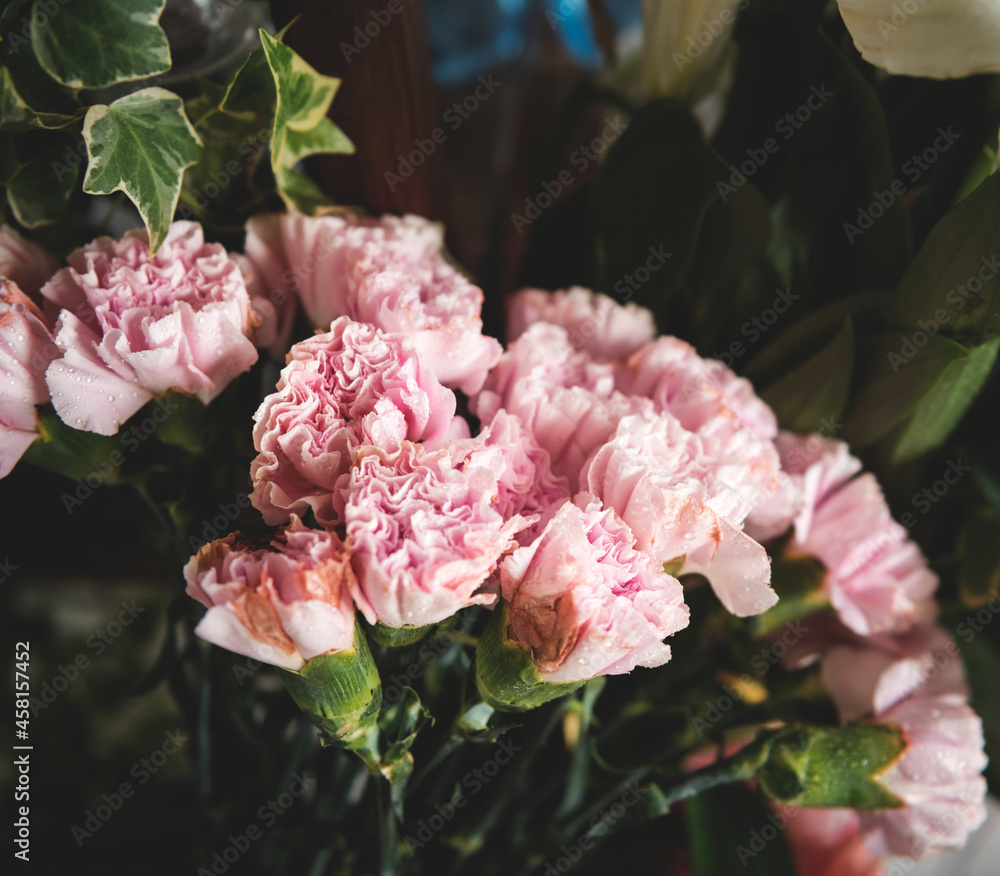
x,y
141,145
98,43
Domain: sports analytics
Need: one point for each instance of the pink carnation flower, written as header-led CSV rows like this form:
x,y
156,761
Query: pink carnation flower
x,y
916,681
425,533
388,271
561,395
348,387
26,348
25,263
282,601
711,400
526,486
702,393
684,497
877,579
584,602
134,325
594,322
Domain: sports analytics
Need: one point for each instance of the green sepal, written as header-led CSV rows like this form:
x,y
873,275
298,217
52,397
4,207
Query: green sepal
x,y
506,675
396,636
341,694
832,766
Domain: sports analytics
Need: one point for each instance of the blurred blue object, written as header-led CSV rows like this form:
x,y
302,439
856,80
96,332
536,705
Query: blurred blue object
x,y
571,21
471,37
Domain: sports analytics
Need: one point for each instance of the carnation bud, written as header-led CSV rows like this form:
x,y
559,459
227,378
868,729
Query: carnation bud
x,y
506,675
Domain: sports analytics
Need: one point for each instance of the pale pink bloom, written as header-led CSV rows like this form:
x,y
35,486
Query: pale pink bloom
x,y
281,601
708,398
24,262
388,271
275,310
703,394
594,322
917,682
26,348
584,602
561,395
684,497
877,579
818,466
526,485
133,325
938,777
349,387
425,533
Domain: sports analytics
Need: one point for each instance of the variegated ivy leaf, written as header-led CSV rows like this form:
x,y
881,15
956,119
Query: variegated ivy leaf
x,y
16,115
301,126
141,144
37,194
98,43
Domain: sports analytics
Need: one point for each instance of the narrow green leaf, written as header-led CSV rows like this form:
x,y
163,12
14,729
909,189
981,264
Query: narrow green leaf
x,y
141,144
803,338
940,411
889,390
653,191
16,115
99,43
37,194
818,388
954,281
888,244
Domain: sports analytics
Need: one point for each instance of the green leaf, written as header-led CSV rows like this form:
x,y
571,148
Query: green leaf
x,y
16,115
940,411
99,43
251,92
889,390
299,192
832,766
301,126
725,828
71,452
37,194
653,191
818,389
803,338
887,245
141,144
979,558
954,280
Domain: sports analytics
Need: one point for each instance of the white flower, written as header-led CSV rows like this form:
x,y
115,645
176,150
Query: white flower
x,y
937,39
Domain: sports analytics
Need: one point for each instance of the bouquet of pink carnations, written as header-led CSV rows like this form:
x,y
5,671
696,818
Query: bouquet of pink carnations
x,y
584,598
